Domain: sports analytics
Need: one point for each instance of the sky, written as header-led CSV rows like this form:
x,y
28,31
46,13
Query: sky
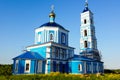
x,y
19,18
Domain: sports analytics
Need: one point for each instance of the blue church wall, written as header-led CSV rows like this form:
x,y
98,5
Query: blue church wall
x,y
101,67
43,66
94,67
70,67
40,50
66,67
54,66
32,68
21,66
73,65
88,65
60,67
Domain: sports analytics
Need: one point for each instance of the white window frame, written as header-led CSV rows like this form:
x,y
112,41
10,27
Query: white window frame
x,y
52,37
39,37
27,62
80,67
39,70
16,65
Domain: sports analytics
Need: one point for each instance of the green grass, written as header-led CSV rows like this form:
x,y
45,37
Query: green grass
x,y
58,76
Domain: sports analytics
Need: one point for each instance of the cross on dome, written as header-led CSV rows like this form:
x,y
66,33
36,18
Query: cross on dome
x,y
86,3
52,14
52,7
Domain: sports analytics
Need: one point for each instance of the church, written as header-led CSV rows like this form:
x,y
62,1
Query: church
x,y
52,53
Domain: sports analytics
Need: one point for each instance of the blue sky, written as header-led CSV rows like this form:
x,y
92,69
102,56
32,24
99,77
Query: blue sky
x,y
19,18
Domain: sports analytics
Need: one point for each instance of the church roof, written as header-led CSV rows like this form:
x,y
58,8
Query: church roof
x,y
29,55
53,24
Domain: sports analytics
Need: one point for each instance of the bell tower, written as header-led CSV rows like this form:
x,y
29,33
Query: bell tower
x,y
88,41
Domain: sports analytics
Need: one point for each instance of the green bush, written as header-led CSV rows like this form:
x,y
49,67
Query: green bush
x,y
6,70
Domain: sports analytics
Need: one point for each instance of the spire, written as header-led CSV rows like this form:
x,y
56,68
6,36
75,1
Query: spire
x,y
52,14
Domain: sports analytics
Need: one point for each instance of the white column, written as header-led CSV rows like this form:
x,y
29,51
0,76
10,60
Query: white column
x,y
46,67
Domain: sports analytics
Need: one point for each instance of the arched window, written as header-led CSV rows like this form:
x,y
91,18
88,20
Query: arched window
x,y
51,37
85,21
85,32
63,38
85,44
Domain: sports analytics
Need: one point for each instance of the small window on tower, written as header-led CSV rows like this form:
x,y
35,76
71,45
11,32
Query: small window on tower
x,y
85,44
85,32
85,21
